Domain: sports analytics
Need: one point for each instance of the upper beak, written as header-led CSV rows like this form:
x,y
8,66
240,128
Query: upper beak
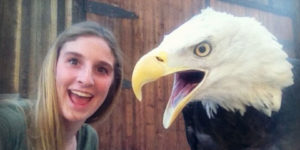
x,y
149,68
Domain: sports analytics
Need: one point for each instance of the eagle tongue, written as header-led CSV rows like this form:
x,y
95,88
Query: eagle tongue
x,y
179,91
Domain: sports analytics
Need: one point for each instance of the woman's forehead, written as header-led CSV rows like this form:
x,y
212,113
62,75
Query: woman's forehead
x,y
92,47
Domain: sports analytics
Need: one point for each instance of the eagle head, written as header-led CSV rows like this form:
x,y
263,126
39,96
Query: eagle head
x,y
221,60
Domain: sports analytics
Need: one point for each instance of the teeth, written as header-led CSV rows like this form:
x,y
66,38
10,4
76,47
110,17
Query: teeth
x,y
82,94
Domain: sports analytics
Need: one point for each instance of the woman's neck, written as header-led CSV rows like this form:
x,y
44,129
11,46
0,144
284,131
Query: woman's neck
x,y
71,144
71,129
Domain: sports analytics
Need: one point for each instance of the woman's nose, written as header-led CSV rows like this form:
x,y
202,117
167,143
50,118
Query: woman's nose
x,y
85,77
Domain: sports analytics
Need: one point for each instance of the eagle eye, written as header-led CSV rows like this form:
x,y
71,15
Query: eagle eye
x,y
202,49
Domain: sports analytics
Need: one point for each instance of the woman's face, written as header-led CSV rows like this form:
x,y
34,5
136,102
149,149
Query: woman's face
x,y
84,74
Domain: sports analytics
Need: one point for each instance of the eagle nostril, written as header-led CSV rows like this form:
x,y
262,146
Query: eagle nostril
x,y
159,59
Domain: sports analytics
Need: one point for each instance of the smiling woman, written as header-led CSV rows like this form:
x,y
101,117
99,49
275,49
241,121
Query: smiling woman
x,y
83,76
79,81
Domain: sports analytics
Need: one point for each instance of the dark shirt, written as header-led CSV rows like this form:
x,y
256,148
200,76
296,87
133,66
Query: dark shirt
x,y
13,129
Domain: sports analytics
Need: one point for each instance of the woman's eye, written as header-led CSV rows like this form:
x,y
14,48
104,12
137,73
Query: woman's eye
x,y
102,70
73,61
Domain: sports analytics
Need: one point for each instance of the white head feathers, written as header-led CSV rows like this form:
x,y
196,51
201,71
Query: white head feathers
x,y
246,67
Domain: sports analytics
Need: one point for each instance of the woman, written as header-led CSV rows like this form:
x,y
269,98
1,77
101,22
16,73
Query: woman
x,y
80,78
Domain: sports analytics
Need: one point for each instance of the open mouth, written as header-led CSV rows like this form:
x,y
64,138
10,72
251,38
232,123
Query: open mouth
x,y
79,98
184,83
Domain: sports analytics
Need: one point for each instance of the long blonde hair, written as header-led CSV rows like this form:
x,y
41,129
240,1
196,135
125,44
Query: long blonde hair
x,y
46,124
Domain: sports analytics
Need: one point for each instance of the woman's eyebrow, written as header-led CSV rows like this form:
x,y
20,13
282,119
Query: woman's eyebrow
x,y
105,64
72,54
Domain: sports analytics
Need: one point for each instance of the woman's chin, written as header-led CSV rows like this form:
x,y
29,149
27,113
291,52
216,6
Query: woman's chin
x,y
73,117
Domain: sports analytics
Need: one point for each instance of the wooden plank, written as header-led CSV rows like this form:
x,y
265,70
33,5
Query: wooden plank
x,y
39,28
25,46
17,46
8,37
60,16
78,10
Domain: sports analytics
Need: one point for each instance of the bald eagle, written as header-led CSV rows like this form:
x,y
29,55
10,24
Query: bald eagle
x,y
235,85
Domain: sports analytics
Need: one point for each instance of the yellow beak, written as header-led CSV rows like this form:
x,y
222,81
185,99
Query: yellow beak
x,y
151,67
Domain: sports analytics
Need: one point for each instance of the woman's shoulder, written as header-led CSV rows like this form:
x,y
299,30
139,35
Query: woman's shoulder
x,y
13,113
18,107
13,122
87,138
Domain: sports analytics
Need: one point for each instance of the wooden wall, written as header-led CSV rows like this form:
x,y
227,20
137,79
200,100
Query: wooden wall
x,y
134,125
138,126
28,27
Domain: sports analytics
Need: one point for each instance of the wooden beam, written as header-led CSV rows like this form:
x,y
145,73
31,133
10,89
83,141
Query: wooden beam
x,y
68,13
109,10
53,20
17,45
60,16
8,17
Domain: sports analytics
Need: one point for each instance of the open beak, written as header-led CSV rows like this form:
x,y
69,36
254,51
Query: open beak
x,y
154,65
